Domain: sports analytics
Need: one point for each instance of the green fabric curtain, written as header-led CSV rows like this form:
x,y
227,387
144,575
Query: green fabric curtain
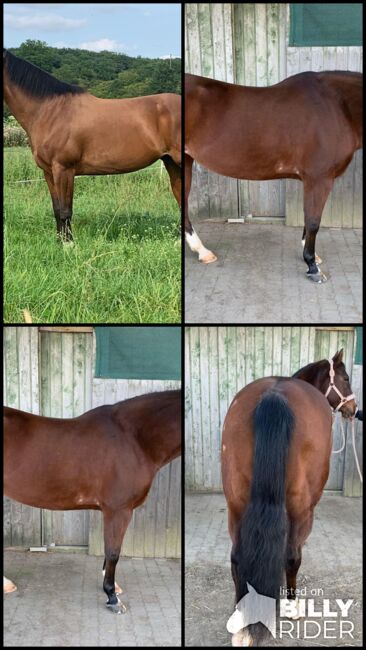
x,y
138,352
358,350
325,24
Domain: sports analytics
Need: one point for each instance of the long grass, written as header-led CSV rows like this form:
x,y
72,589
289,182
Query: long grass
x,y
125,264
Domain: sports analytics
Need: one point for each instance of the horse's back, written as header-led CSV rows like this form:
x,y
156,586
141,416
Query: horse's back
x,y
226,123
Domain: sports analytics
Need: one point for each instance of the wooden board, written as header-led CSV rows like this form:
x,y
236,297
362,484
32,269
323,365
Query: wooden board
x,y
221,360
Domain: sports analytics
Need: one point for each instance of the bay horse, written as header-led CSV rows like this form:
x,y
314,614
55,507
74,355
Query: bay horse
x,y
72,133
276,446
306,127
105,460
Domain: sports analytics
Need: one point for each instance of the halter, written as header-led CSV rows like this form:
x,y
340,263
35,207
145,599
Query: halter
x,y
334,387
343,401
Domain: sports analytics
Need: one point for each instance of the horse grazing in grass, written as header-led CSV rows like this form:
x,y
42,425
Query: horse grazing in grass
x,y
72,133
105,460
306,127
276,446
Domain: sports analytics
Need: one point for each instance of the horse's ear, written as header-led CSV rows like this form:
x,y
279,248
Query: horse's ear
x,y
338,357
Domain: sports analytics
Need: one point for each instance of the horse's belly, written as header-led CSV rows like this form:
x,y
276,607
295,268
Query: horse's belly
x,y
114,164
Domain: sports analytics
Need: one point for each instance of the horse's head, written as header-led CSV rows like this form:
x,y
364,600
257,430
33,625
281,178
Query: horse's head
x,y
337,388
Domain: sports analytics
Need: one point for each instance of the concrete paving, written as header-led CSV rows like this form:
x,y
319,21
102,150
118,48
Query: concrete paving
x,y
260,276
331,565
60,602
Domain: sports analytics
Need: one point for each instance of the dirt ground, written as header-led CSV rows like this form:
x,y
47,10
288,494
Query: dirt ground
x,y
331,565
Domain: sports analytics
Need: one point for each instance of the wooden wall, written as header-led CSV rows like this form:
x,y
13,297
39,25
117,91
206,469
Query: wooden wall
x,y
219,361
51,373
246,43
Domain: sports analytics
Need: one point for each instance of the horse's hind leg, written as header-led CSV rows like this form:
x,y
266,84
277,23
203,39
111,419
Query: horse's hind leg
x,y
299,530
64,183
117,588
318,260
115,526
55,202
316,192
193,241
175,174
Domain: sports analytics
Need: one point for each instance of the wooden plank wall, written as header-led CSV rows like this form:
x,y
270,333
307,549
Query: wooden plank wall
x,y
52,373
259,36
22,524
246,43
219,361
344,205
209,52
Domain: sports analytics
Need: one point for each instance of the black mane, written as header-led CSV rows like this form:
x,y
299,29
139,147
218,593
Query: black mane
x,y
315,365
34,81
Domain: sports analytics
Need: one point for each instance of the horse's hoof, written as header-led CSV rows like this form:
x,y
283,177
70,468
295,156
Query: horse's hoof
x,y
9,586
318,277
117,608
208,258
68,244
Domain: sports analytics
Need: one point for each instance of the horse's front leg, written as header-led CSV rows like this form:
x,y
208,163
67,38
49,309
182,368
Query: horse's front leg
x,y
64,183
316,192
318,260
193,241
115,526
55,202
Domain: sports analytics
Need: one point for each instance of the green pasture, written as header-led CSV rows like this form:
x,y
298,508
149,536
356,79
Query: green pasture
x,y
125,265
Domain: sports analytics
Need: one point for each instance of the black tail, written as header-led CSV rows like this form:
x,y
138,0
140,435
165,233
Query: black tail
x,y
259,555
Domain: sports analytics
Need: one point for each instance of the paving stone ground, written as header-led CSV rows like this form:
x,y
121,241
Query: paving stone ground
x,y
60,602
332,562
260,276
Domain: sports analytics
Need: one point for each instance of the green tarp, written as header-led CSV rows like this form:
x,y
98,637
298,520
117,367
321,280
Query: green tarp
x,y
358,351
325,24
138,352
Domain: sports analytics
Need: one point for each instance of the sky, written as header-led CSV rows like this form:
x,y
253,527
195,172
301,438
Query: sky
x,y
149,29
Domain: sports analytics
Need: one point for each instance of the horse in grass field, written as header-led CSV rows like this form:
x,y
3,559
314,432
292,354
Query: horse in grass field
x,y
276,446
104,460
72,133
306,127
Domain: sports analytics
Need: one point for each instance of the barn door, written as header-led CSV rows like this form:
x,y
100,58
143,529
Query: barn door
x,y
66,374
22,524
327,343
259,36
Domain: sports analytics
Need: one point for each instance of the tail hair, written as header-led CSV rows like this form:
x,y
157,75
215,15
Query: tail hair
x,y
259,554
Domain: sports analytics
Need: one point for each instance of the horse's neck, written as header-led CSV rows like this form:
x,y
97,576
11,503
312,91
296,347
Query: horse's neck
x,y
23,107
161,444
312,376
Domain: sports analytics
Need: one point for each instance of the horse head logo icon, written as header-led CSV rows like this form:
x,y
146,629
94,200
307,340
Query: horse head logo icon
x,y
253,608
